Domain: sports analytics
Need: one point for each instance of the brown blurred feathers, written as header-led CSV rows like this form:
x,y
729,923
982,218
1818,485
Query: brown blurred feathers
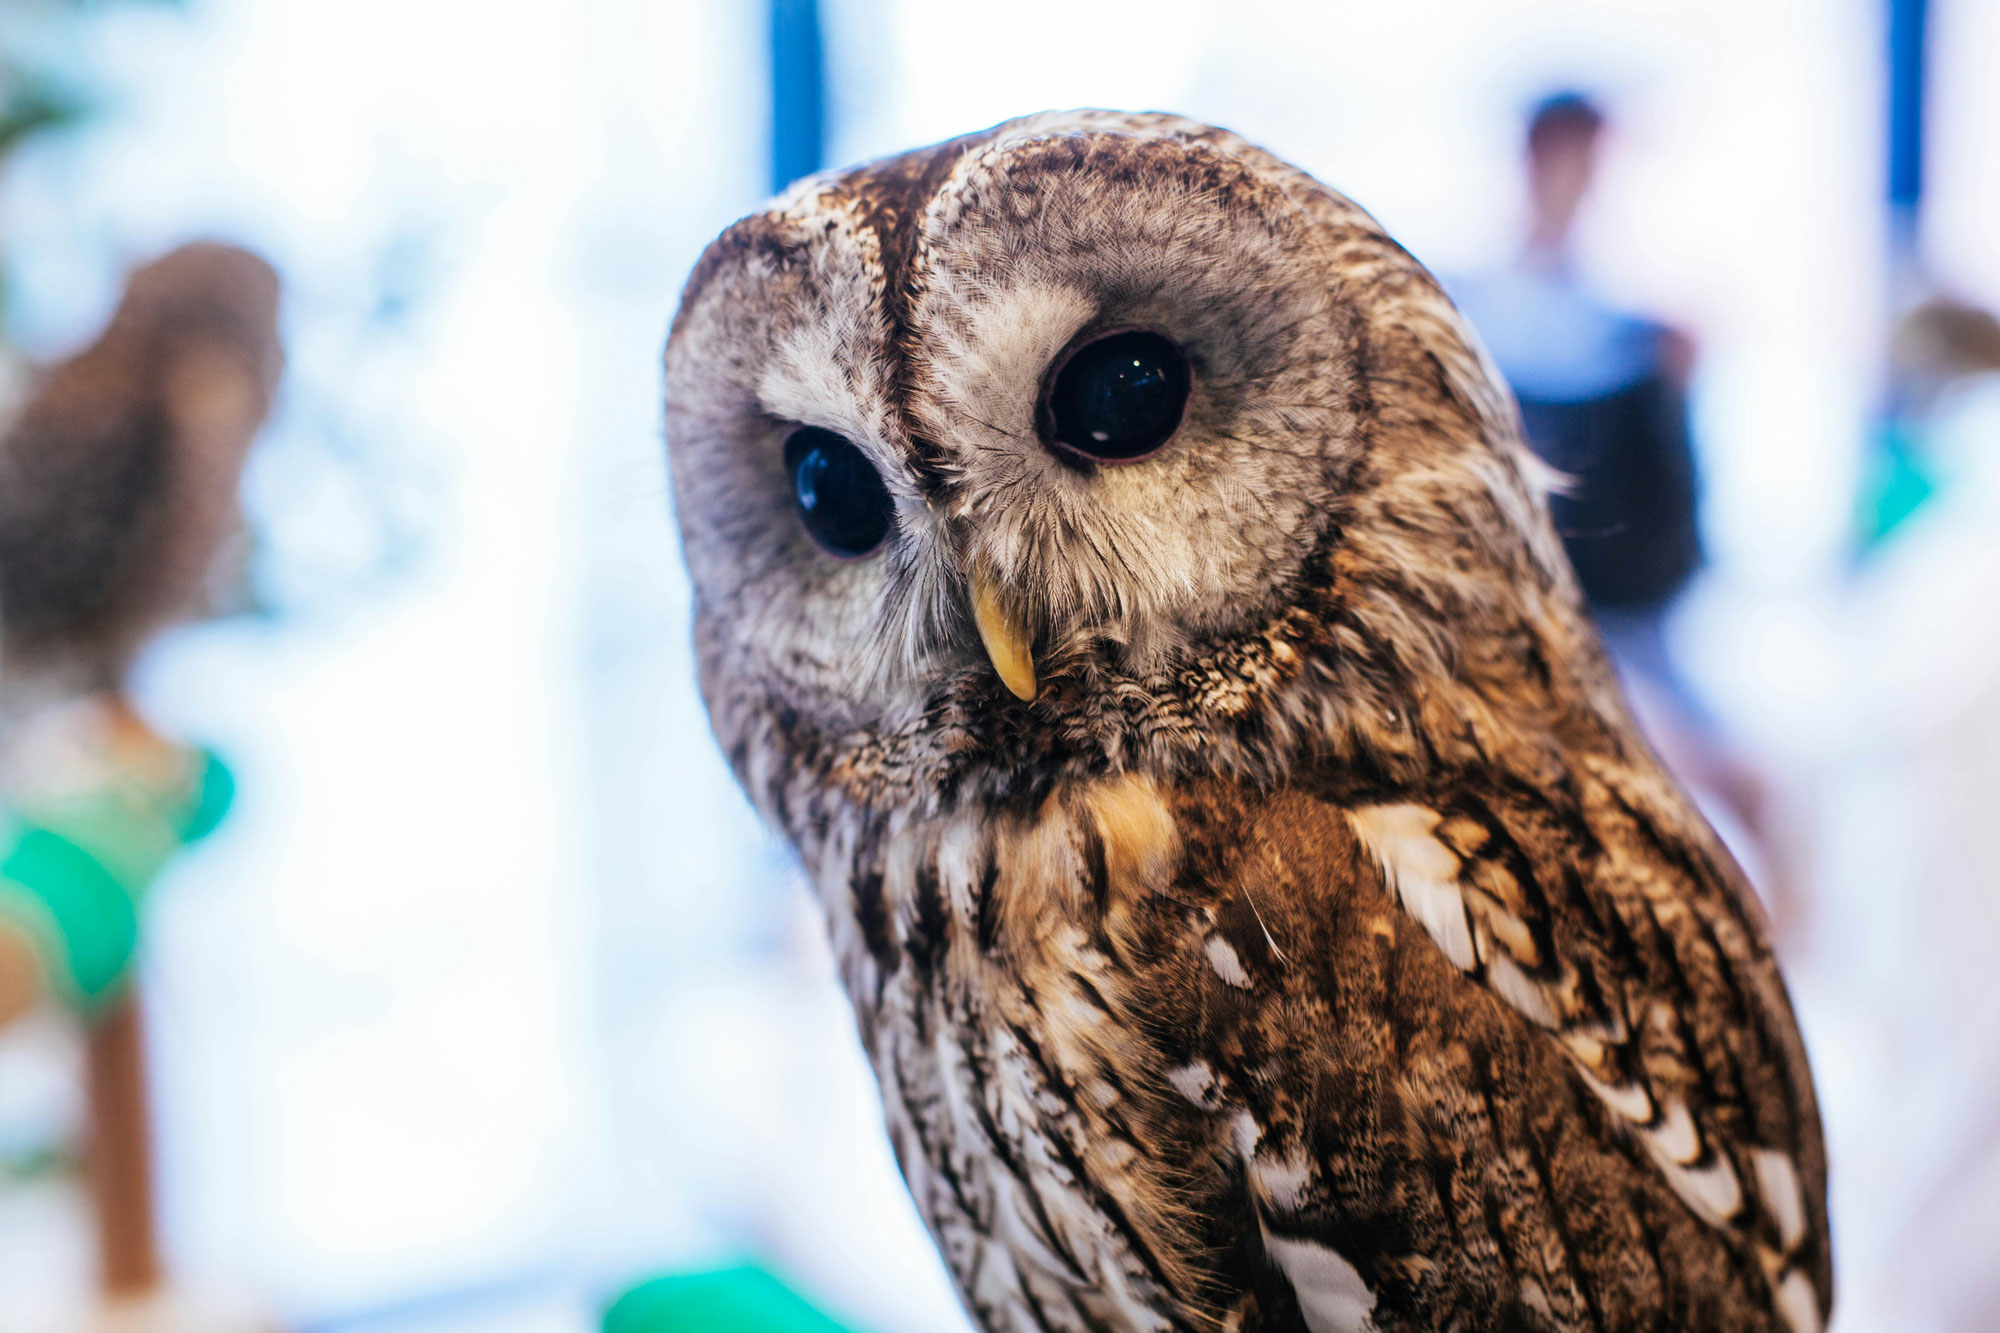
x,y
118,475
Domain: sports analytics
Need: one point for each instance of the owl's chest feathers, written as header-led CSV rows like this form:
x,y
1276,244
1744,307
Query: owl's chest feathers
x,y
994,965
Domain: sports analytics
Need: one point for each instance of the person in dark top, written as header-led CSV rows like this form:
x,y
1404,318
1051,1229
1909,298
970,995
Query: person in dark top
x,y
1602,392
1603,395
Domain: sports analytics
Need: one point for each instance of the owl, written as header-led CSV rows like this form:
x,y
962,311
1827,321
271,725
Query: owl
x,y
1118,574
118,475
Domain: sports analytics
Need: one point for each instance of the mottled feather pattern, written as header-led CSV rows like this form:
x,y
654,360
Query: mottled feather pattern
x,y
1320,948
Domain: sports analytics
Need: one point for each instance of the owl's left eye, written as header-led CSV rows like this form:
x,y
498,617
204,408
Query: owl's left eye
x,y
840,496
1116,397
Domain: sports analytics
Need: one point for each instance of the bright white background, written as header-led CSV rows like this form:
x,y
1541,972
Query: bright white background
x,y
491,995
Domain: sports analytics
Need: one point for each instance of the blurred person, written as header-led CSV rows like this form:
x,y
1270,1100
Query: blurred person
x,y
118,494
1603,397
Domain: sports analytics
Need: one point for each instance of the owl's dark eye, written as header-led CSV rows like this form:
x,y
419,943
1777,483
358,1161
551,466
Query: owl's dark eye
x,y
840,495
1117,397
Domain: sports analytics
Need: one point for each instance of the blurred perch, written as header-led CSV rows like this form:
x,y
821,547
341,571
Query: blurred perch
x,y
118,490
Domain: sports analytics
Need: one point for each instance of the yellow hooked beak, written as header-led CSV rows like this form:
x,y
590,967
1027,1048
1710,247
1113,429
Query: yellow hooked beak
x,y
1005,636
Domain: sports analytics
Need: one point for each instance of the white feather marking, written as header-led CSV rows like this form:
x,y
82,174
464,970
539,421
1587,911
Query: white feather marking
x,y
1331,1293
1630,1100
1520,990
1282,1184
1247,1133
1222,957
1422,871
959,863
1712,1191
1778,1183
1194,1082
1675,1137
1269,939
1585,1048
1799,1303
899,883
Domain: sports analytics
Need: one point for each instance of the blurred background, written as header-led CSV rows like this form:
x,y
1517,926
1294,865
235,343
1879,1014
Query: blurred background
x,y
490,997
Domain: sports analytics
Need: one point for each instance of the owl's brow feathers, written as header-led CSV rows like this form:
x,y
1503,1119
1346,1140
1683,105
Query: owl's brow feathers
x,y
886,200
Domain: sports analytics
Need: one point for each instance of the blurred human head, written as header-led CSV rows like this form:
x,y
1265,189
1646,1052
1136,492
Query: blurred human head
x,y
1564,131
1945,340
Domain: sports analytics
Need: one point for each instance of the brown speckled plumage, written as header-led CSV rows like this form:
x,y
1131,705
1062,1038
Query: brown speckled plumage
x,y
1319,948
118,475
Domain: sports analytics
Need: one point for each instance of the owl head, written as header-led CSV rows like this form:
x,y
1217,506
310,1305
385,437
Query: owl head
x,y
1094,439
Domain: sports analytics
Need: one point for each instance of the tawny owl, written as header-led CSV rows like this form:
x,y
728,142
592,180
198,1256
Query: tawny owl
x,y
118,476
1118,574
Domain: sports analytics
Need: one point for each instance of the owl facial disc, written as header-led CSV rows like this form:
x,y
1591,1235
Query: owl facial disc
x,y
1008,642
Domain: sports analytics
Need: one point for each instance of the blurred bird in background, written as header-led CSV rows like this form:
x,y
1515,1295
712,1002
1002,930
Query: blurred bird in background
x,y
118,498
118,477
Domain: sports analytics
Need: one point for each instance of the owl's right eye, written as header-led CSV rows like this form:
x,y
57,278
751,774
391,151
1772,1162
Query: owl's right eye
x,y
840,496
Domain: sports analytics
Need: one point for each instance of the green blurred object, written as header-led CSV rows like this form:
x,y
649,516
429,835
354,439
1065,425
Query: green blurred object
x,y
724,1300
83,919
72,874
1899,485
215,792
33,102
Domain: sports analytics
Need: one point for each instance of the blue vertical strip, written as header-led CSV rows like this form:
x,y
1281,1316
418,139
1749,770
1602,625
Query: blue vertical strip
x,y
798,91
1908,25
1897,482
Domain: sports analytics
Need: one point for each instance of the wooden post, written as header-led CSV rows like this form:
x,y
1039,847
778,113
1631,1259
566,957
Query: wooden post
x,y
120,1152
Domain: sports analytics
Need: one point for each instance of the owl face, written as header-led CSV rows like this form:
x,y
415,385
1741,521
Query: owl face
x,y
1041,413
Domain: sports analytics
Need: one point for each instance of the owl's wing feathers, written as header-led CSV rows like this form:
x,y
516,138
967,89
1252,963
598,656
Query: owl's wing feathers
x,y
1629,1128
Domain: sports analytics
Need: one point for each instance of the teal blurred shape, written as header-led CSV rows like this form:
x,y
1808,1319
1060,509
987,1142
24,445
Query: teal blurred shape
x,y
215,793
726,1300
1900,483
